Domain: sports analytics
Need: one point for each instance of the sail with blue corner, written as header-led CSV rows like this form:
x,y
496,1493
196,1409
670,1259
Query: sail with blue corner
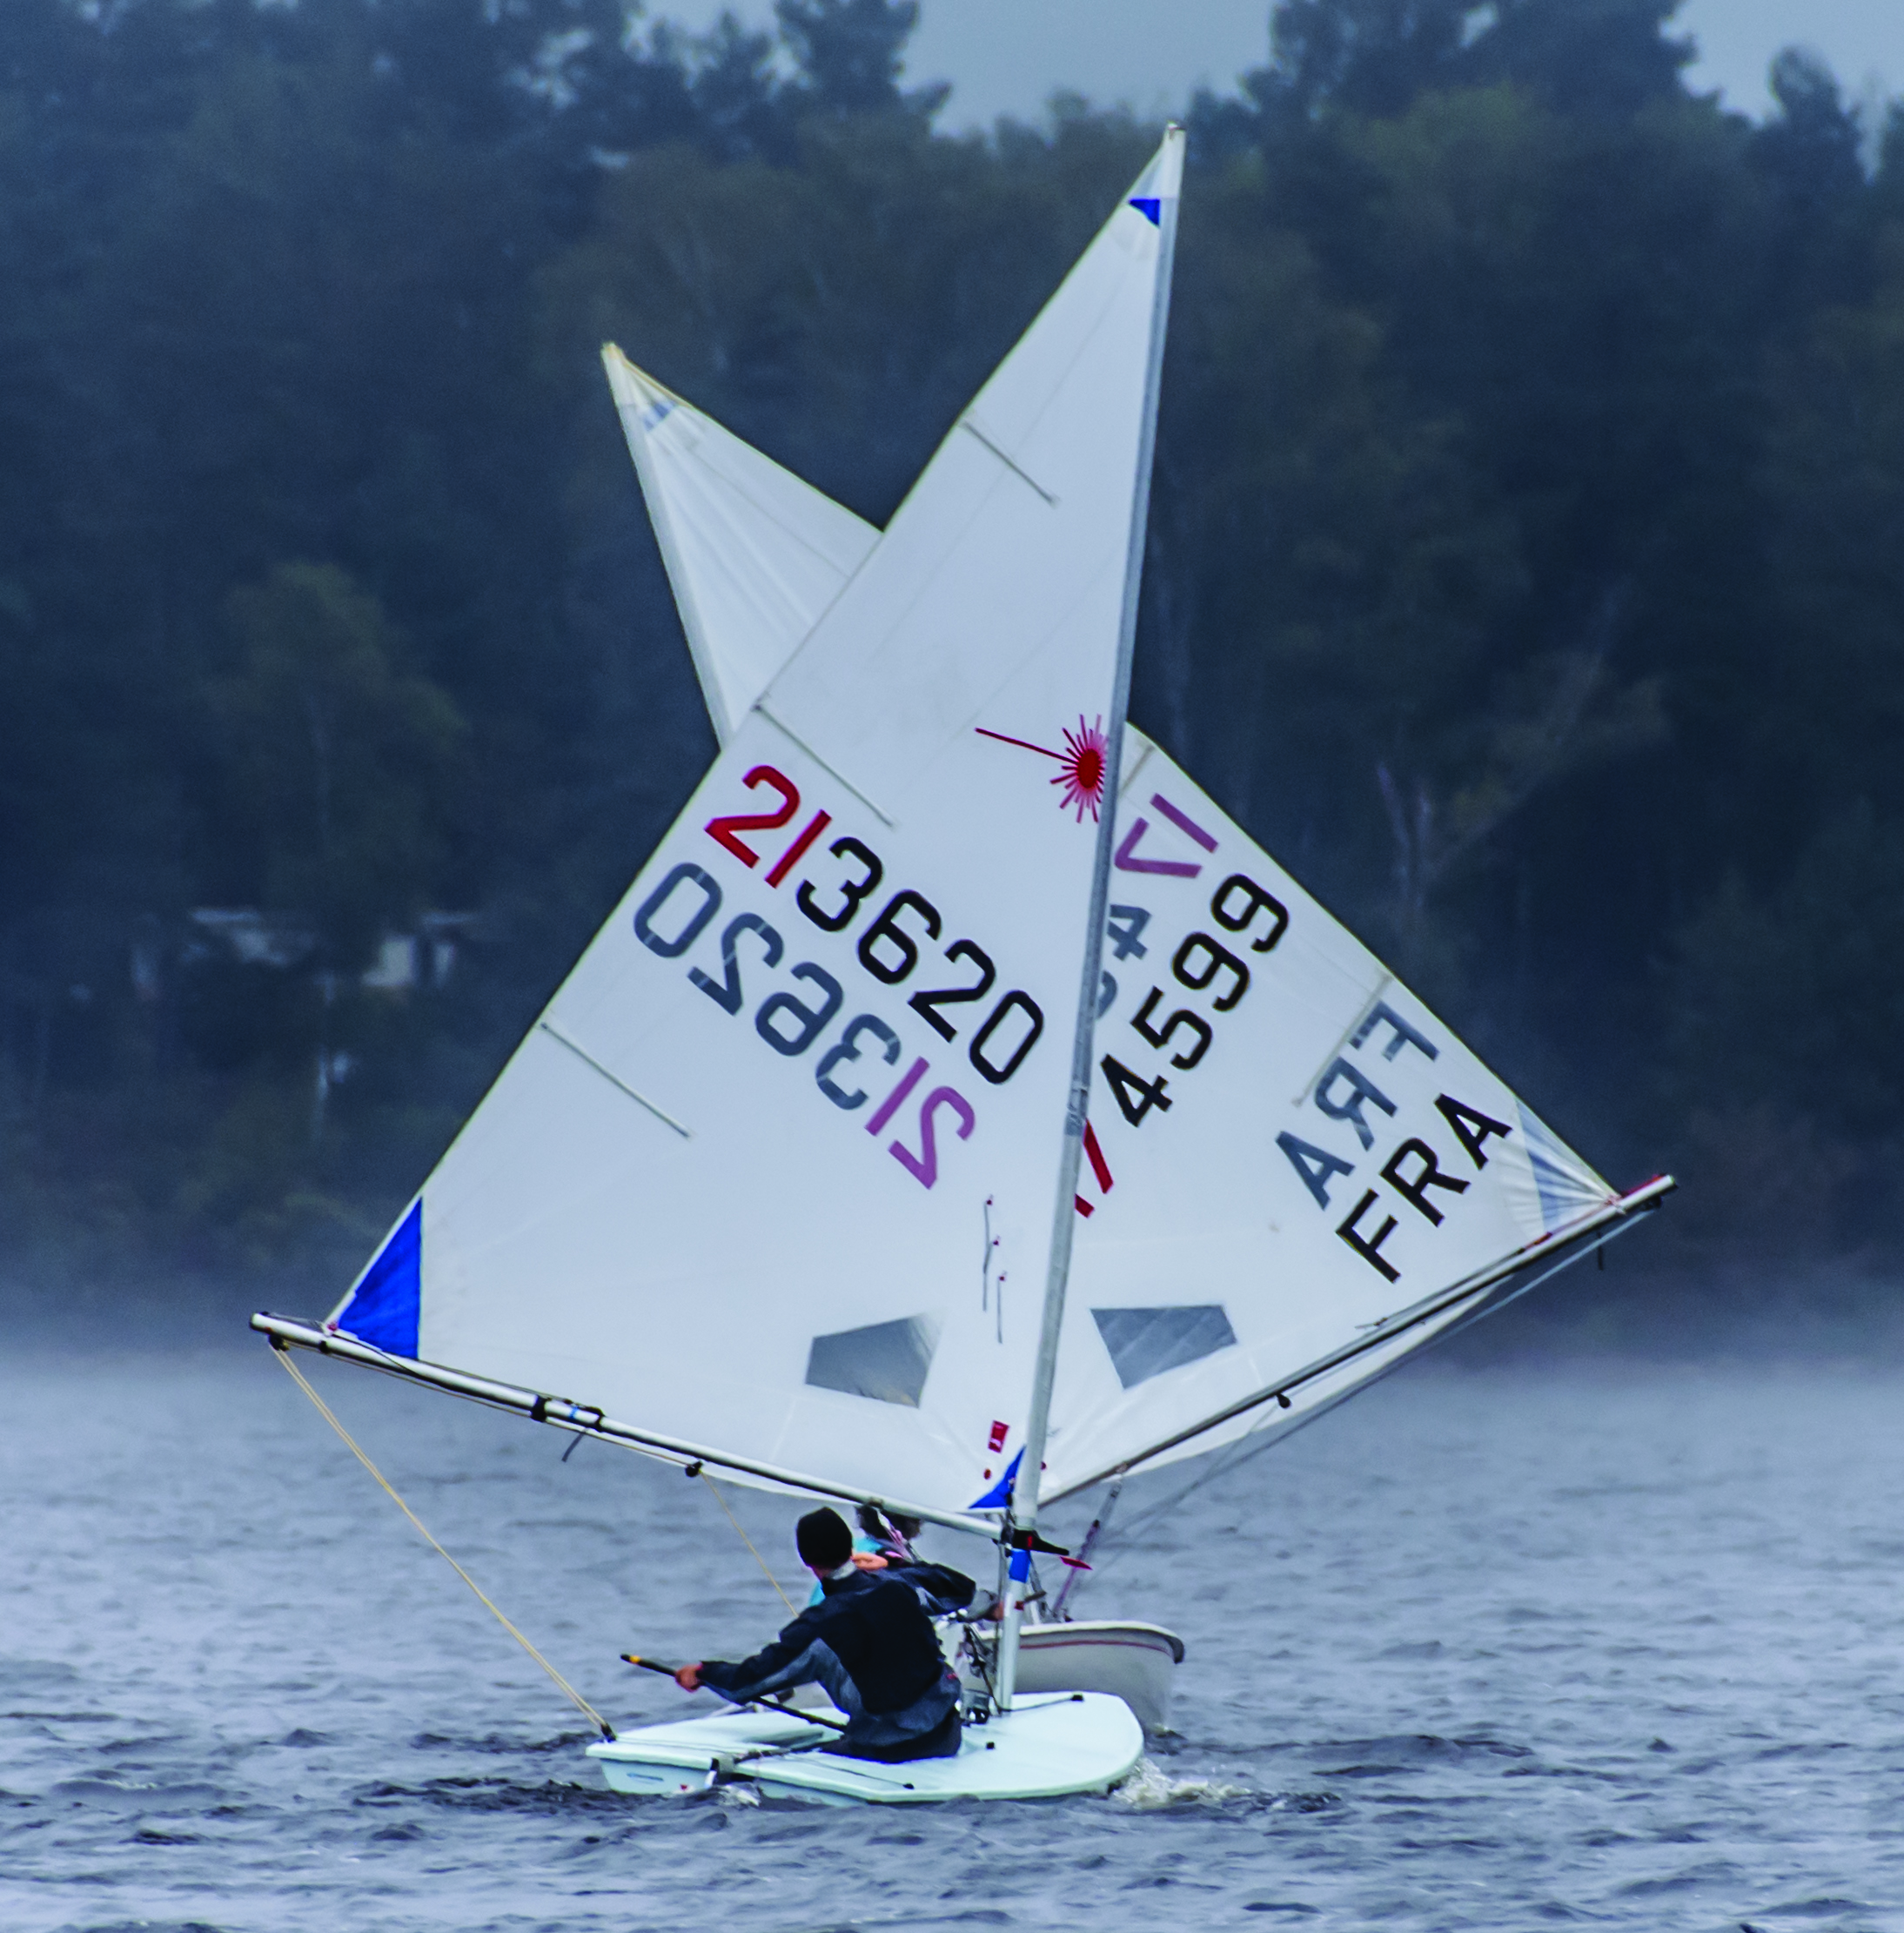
x,y
730,1185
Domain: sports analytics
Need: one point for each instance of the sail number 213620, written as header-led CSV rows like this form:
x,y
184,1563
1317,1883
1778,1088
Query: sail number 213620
x,y
890,945
687,900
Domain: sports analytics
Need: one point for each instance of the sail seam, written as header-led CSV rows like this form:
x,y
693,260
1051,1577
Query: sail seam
x,y
1347,1034
634,1094
832,771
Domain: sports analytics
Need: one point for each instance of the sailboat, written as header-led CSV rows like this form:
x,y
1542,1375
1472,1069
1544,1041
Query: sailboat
x,y
959,1112
755,556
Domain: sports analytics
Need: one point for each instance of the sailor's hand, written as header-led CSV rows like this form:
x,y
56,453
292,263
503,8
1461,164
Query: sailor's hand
x,y
868,1560
688,1677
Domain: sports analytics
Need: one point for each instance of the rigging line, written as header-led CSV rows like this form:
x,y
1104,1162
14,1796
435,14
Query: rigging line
x,y
749,1541
1081,1564
1231,1458
324,1410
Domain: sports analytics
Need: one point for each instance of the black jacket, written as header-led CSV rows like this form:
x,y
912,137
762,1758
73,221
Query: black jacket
x,y
872,1623
941,1589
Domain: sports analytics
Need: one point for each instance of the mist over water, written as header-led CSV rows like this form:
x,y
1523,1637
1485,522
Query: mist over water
x,y
1492,1647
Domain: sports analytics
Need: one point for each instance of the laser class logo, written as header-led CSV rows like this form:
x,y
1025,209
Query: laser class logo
x,y
1081,765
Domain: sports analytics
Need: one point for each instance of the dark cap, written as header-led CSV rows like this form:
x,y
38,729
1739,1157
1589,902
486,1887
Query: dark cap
x,y
823,1540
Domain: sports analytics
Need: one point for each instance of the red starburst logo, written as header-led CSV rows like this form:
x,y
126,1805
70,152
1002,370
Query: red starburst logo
x,y
1082,776
1081,764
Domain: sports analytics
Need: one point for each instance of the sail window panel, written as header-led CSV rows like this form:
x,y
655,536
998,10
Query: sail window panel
x,y
1144,1343
886,1362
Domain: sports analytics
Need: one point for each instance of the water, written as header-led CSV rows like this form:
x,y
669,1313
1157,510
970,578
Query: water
x,y
1488,1648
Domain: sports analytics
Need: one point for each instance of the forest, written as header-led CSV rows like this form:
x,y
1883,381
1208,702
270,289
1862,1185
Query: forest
x,y
1525,568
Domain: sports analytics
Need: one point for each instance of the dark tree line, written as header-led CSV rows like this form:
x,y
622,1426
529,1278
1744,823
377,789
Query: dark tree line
x,y
1526,569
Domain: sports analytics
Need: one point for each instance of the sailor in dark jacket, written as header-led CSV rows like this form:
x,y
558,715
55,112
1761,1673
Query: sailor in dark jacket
x,y
868,1642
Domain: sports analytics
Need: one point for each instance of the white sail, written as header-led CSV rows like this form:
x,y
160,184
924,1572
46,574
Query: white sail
x,y
739,1180
1269,1207
753,554
1333,1157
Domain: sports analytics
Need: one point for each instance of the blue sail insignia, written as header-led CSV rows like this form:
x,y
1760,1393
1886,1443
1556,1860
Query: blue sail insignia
x,y
384,1306
1000,1493
1150,207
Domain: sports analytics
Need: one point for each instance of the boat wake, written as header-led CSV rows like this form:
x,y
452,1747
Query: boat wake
x,y
1150,1788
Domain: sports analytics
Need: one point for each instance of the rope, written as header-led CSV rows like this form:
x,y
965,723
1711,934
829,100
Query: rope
x,y
324,1410
749,1541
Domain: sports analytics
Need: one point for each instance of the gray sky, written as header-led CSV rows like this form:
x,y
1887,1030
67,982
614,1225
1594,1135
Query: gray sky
x,y
1007,55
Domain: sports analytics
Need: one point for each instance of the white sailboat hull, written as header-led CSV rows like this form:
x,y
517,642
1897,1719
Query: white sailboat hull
x,y
1135,1662
1046,1746
1132,1661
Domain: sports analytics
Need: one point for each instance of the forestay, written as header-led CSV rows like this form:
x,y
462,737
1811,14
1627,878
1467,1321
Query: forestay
x,y
1289,1153
736,1183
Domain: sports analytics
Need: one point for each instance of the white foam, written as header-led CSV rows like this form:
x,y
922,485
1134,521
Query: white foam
x,y
1149,1789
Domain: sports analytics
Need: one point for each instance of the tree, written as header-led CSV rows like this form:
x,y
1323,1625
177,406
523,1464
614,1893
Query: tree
x,y
849,53
1790,992
1359,56
342,762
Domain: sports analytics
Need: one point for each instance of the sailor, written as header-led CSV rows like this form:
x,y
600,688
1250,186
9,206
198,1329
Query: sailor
x,y
875,1547
868,1642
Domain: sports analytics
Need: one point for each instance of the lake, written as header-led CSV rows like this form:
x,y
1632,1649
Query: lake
x,y
1498,1646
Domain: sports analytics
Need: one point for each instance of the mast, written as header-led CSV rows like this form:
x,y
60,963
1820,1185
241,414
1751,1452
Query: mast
x,y
1023,1518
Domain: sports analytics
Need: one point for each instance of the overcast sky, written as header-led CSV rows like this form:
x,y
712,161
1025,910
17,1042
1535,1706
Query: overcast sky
x,y
1007,55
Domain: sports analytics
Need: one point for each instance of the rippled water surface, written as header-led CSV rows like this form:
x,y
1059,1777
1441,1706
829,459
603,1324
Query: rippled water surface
x,y
1487,1649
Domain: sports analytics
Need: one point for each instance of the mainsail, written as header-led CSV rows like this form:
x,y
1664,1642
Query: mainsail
x,y
1298,1174
738,1181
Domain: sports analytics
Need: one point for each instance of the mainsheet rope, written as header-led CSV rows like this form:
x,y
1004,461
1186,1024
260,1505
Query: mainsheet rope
x,y
562,1684
749,1541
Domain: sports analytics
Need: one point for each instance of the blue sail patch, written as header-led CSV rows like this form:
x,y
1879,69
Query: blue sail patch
x,y
384,1306
1000,1493
1150,207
